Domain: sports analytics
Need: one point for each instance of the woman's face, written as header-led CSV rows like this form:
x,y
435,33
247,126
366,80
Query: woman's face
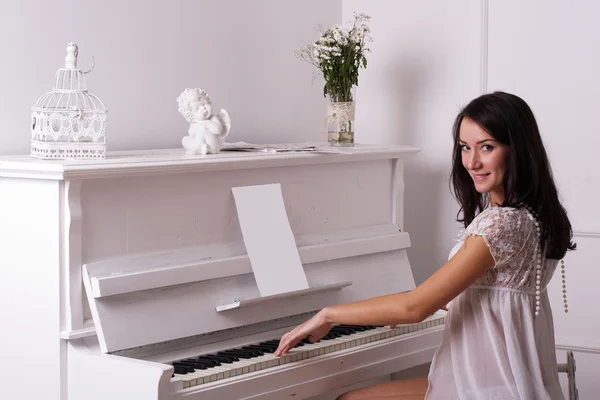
x,y
485,160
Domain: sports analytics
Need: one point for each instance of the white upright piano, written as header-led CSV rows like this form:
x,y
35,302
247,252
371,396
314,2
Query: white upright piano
x,y
128,278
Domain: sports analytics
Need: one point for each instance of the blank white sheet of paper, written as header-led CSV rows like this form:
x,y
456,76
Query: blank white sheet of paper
x,y
269,239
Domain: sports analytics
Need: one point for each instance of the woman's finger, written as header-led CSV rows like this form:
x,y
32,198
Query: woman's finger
x,y
287,341
312,328
282,344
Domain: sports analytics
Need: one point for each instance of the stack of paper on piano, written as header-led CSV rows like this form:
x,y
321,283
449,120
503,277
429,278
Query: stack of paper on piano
x,y
280,147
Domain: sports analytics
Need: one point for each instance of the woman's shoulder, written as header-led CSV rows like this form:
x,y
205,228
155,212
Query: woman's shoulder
x,y
506,231
500,221
502,212
510,218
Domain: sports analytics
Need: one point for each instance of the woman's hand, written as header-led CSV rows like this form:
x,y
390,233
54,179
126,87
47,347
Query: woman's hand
x,y
315,328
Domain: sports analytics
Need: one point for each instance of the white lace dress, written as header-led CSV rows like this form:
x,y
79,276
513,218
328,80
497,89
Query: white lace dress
x,y
494,346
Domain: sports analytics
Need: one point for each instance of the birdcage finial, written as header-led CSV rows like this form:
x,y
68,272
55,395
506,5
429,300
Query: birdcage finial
x,y
71,58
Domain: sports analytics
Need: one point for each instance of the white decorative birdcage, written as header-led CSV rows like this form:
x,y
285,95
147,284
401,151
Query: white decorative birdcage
x,y
68,122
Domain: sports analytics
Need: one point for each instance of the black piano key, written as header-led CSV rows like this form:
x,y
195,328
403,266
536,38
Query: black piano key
x,y
340,328
208,362
183,367
231,357
271,342
271,346
264,349
193,364
227,359
344,331
235,354
258,352
250,352
221,359
355,328
267,346
261,350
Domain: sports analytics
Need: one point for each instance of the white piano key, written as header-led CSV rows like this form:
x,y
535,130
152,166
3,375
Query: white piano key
x,y
261,361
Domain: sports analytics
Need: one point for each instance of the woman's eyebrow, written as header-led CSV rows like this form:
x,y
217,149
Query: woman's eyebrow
x,y
481,141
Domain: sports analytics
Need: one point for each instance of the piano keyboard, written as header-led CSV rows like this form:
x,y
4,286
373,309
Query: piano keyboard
x,y
225,364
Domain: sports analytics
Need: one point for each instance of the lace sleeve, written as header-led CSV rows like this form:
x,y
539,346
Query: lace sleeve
x,y
505,231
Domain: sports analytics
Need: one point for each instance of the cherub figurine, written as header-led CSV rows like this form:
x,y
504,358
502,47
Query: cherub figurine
x,y
207,132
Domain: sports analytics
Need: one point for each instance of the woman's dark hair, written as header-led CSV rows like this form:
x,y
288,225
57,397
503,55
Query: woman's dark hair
x,y
528,179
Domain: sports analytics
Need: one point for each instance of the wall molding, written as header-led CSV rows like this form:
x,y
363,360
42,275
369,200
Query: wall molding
x,y
483,73
593,235
578,349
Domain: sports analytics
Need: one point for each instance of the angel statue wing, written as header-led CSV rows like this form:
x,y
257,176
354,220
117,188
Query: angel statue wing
x,y
225,120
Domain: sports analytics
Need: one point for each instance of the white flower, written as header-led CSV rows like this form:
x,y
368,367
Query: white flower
x,y
339,53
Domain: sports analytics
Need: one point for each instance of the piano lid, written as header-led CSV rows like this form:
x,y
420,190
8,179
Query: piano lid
x,y
161,161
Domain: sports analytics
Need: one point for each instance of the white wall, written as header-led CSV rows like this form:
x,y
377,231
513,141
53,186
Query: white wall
x,y
146,53
542,51
427,62
424,66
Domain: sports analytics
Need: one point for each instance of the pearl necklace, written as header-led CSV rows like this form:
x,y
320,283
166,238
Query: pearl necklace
x,y
538,259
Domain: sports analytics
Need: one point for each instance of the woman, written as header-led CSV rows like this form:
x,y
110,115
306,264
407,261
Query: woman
x,y
498,340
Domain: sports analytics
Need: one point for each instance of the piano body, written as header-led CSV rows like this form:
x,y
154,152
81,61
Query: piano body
x,y
118,275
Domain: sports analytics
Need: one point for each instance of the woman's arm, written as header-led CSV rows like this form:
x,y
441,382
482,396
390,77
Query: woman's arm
x,y
456,275
468,264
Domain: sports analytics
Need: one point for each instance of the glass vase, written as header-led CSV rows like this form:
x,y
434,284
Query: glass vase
x,y
340,122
